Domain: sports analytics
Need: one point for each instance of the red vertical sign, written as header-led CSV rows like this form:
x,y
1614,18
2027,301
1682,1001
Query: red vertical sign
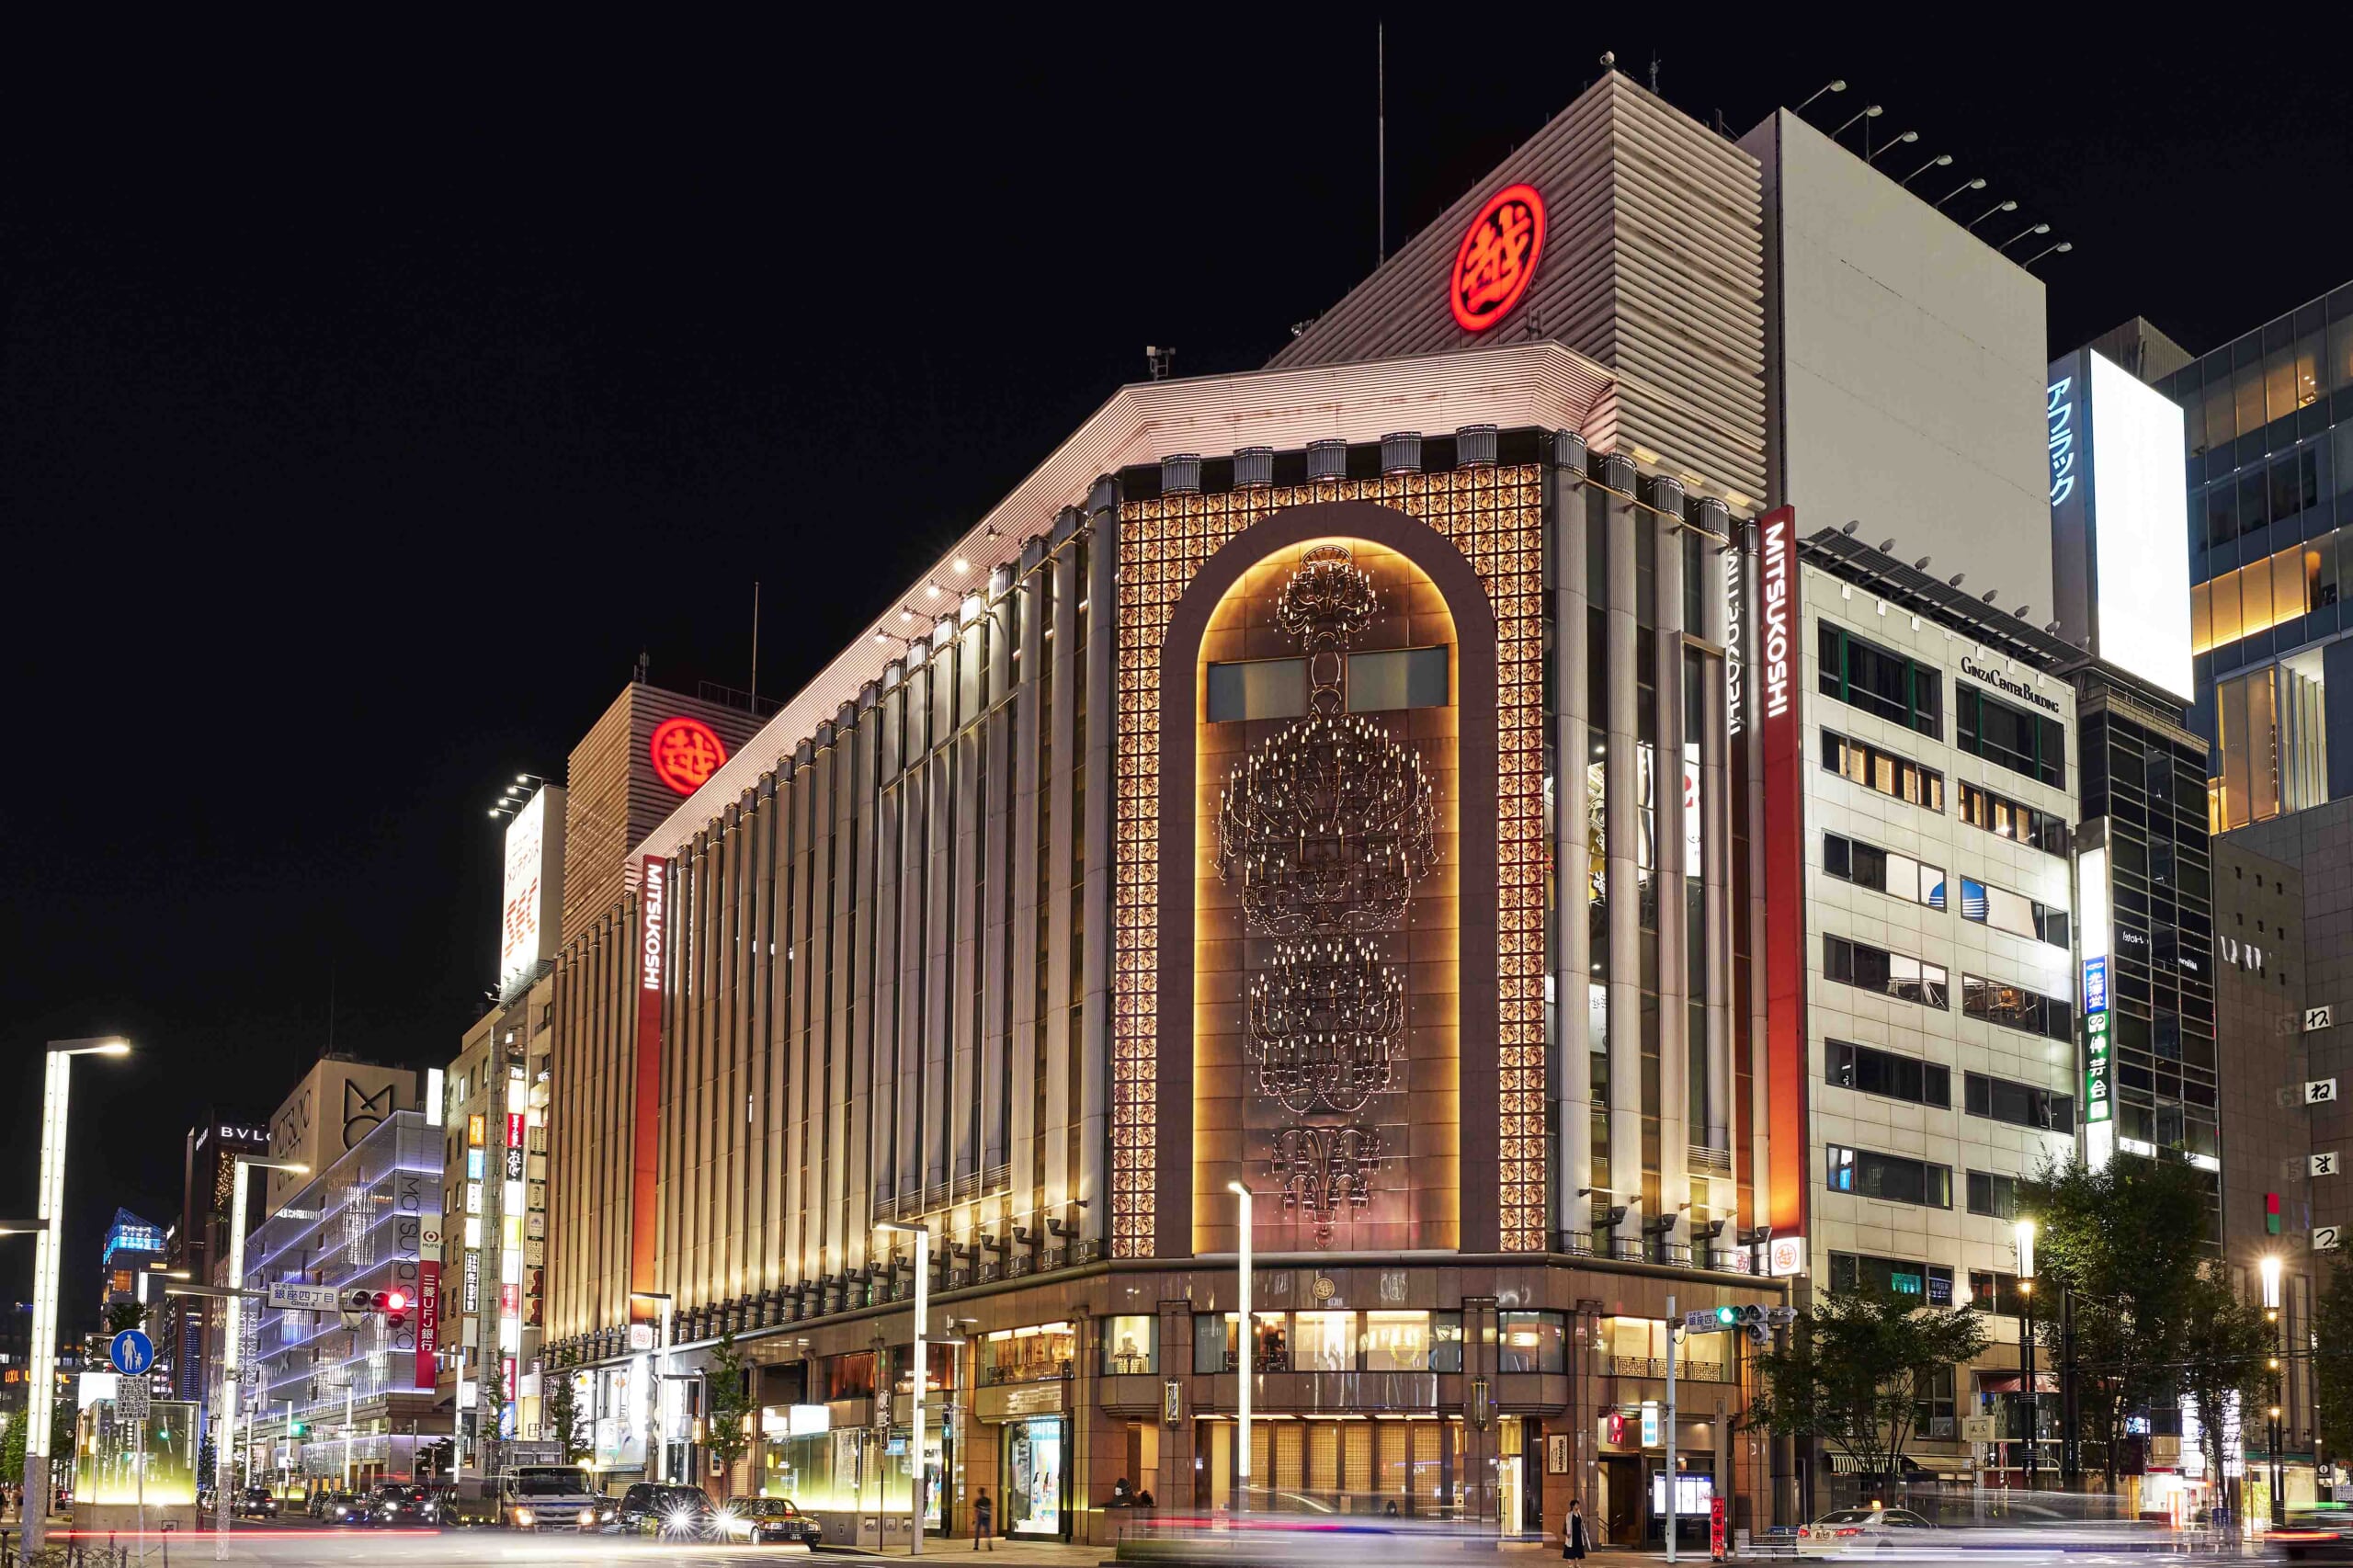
x,y
654,934
428,1322
1778,667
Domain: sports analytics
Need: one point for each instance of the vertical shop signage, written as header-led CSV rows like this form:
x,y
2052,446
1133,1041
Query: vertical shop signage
x,y
1784,832
2097,1104
428,1322
654,918
2092,936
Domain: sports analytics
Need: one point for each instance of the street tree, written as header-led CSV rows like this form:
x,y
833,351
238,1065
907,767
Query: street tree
x,y
1856,1367
2127,1243
560,1413
729,1382
2226,1347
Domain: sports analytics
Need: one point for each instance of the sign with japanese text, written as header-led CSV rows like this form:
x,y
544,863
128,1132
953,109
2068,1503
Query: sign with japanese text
x,y
1784,827
687,752
428,1322
1497,260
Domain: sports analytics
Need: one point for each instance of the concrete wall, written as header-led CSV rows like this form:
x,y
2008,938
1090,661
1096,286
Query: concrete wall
x,y
1904,364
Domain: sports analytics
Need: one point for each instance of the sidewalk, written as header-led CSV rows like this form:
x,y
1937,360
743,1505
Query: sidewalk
x,y
1012,1552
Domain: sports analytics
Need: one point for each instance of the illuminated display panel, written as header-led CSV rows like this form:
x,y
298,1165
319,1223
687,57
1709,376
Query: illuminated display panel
x,y
2140,524
1497,260
1493,516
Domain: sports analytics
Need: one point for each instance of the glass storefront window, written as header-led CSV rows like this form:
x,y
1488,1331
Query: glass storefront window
x,y
1445,1342
1131,1344
1324,1342
1033,1477
1214,1338
850,1376
1396,1342
1028,1354
1530,1342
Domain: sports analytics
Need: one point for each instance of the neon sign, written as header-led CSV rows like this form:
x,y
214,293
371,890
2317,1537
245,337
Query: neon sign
x,y
2061,413
687,752
1497,260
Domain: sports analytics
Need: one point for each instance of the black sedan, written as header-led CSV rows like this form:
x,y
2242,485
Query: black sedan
x,y
768,1521
396,1503
256,1503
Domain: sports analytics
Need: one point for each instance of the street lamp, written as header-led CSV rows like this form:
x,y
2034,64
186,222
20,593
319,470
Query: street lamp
x,y
42,1399
660,1382
2270,1267
2026,1345
224,1432
1244,1361
922,1234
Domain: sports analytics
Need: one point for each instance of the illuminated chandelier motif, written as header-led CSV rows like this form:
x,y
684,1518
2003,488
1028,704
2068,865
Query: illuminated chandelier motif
x,y
1329,824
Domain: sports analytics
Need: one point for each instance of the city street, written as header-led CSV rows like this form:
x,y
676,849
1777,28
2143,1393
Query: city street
x,y
298,1546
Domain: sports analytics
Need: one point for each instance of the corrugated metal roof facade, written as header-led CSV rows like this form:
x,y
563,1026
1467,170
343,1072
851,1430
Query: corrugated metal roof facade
x,y
1652,267
1529,384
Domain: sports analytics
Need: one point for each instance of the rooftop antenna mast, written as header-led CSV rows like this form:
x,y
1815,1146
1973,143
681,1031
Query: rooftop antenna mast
x,y
1381,140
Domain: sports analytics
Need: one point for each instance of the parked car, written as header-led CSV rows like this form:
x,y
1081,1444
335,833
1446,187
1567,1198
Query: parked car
x,y
1863,1529
651,1508
256,1503
767,1521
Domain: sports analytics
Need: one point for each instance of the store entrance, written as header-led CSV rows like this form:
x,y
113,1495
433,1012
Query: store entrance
x,y
1621,1507
1382,1468
1036,1478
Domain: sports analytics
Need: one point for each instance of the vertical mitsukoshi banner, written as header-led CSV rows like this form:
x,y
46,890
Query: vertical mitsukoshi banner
x,y
653,938
1778,664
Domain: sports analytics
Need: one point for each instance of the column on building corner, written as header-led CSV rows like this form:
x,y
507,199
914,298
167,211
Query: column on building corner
x,y
1673,894
1029,1056
1061,742
856,1187
1715,847
885,1159
784,849
1095,976
1621,782
999,983
1572,954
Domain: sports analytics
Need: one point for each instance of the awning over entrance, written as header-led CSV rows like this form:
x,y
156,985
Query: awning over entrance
x,y
2011,1382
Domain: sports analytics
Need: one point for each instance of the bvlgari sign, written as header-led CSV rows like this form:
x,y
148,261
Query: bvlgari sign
x,y
2004,683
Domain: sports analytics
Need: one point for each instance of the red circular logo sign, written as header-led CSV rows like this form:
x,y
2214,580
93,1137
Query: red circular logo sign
x,y
1498,257
687,752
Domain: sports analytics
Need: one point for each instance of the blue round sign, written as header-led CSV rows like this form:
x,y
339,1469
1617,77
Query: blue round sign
x,y
132,1352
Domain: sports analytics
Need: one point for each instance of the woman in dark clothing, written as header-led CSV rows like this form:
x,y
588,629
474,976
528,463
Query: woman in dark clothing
x,y
1573,1543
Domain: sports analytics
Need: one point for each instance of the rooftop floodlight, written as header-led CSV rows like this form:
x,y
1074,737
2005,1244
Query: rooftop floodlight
x,y
961,564
1898,142
2024,233
1939,161
1990,212
1869,112
2062,248
1837,85
1977,184
934,589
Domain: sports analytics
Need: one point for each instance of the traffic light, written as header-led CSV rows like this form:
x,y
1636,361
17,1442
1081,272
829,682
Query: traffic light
x,y
395,1309
298,1427
1727,1315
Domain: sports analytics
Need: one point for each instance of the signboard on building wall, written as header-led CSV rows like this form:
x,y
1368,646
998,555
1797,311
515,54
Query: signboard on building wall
x,y
1778,664
653,935
2092,928
532,889
2120,519
428,1322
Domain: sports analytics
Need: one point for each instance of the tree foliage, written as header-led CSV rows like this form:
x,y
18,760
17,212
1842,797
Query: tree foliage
x,y
2333,1370
2225,1349
2131,1245
12,1448
1856,1367
560,1417
731,1400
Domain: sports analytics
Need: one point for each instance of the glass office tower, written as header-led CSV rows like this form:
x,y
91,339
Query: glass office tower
x,y
2269,434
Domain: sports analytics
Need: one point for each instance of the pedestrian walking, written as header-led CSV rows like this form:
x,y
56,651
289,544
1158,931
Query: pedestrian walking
x,y
1574,1542
984,1513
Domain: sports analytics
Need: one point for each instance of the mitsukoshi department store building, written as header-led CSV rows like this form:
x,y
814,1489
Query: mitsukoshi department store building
x,y
1326,781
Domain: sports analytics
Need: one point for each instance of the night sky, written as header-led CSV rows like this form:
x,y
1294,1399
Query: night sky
x,y
355,437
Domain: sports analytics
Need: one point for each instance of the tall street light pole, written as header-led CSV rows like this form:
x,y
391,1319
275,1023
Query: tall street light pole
x,y
40,1397
1245,1360
922,1234
658,1462
2270,1271
2025,1346
224,1434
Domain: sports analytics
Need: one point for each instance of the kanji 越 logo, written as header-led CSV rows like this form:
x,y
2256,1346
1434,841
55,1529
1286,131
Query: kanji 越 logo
x,y
1498,257
687,752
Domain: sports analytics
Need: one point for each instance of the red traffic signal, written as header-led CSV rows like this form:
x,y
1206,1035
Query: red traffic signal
x,y
396,1301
